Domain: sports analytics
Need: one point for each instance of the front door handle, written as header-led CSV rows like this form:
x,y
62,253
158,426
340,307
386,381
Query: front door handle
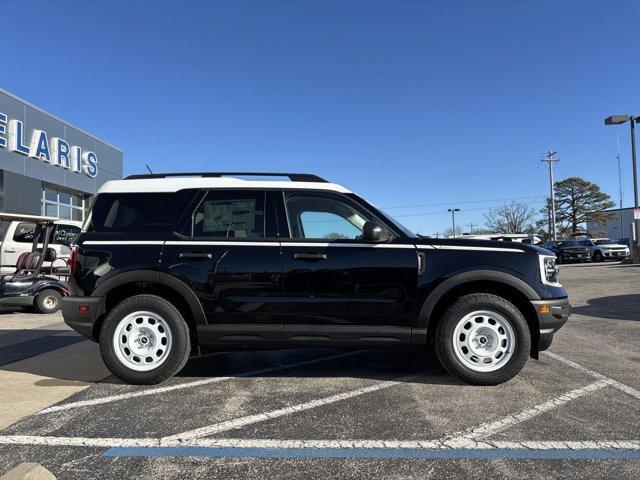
x,y
310,256
9,250
195,255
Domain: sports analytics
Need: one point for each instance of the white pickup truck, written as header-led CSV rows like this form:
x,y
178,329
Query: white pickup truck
x,y
605,249
19,239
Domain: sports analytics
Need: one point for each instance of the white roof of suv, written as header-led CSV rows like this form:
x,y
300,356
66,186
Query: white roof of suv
x,y
174,182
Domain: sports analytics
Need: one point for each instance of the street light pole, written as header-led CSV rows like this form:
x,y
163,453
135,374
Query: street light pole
x,y
617,120
632,121
453,219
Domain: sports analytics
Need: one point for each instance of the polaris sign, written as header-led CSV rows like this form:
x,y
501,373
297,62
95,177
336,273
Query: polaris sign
x,y
55,151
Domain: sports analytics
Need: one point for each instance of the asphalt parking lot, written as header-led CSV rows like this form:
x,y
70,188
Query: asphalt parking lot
x,y
321,413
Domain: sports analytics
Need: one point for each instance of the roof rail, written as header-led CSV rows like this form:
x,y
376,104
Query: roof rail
x,y
294,177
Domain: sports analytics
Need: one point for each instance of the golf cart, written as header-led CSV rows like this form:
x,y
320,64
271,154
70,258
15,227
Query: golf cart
x,y
28,286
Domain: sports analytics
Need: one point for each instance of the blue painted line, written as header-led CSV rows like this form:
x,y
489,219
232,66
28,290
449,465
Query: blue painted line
x,y
379,453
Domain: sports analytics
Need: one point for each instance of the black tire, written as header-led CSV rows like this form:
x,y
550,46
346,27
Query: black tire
x,y
445,338
559,259
48,301
597,257
180,340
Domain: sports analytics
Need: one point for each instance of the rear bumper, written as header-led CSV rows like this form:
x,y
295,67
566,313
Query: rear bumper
x,y
551,321
80,313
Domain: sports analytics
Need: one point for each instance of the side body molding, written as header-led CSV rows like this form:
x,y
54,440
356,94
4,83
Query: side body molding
x,y
157,277
468,277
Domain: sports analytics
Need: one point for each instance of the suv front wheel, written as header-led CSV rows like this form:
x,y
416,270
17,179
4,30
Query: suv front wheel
x,y
483,339
144,340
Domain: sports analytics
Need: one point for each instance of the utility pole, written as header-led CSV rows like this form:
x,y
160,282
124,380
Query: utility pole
x,y
471,225
453,219
550,158
620,187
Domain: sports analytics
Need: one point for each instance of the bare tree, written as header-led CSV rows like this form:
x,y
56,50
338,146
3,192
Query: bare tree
x,y
512,217
448,233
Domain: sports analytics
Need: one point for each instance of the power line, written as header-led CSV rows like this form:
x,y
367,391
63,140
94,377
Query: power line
x,y
465,202
440,212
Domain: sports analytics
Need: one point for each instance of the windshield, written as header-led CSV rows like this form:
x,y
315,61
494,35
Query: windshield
x,y
604,241
401,227
386,217
570,243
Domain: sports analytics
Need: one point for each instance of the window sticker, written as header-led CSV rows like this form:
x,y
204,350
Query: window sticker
x,y
228,215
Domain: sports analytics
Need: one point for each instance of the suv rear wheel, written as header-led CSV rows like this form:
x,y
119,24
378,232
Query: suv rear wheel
x,y
483,339
144,340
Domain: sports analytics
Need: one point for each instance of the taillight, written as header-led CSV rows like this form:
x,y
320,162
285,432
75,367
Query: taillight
x,y
73,260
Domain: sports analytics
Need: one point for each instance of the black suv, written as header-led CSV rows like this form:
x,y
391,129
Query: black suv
x,y
568,251
171,264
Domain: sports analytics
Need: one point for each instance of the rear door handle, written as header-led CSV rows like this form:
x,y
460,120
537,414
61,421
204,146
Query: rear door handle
x,y
195,255
310,256
9,251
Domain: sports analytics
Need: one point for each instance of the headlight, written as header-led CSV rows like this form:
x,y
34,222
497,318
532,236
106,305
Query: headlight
x,y
549,270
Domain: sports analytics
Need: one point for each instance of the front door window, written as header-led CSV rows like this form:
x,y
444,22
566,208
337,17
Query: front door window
x,y
314,216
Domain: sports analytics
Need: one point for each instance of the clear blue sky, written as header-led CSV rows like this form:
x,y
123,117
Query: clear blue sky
x,y
407,103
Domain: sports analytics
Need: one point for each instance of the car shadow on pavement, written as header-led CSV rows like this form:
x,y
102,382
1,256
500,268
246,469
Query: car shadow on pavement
x,y
616,307
418,365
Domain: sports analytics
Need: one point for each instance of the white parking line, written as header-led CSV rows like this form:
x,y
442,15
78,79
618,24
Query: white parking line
x,y
281,412
111,442
489,428
180,386
609,381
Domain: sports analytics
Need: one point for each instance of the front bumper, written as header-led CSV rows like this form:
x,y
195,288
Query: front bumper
x,y
576,257
81,313
621,254
550,321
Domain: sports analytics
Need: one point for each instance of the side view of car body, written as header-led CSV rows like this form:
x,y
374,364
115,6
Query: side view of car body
x,y
171,264
602,249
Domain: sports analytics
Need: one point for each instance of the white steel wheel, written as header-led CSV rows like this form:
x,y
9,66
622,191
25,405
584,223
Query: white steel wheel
x,y
483,340
50,302
142,341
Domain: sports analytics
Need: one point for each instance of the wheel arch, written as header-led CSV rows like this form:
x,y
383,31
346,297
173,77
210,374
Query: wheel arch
x,y
481,281
127,284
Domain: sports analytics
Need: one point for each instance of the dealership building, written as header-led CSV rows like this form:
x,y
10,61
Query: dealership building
x,y
620,225
48,166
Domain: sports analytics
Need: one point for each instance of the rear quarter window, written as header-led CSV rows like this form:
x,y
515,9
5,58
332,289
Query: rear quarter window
x,y
139,212
24,232
64,234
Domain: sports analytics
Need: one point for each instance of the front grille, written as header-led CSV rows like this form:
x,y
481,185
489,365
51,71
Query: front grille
x,y
576,250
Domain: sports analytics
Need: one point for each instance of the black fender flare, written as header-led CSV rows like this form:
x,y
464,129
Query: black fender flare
x,y
467,277
161,278
49,284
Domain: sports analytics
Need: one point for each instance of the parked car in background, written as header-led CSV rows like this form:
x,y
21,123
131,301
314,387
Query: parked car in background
x,y
568,250
18,239
606,249
28,285
625,241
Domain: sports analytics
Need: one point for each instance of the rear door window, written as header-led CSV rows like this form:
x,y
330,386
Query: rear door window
x,y
229,214
139,212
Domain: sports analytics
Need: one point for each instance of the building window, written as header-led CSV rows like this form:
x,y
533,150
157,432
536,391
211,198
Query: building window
x,y
65,205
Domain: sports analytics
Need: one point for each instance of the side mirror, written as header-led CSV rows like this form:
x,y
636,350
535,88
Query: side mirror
x,y
373,233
